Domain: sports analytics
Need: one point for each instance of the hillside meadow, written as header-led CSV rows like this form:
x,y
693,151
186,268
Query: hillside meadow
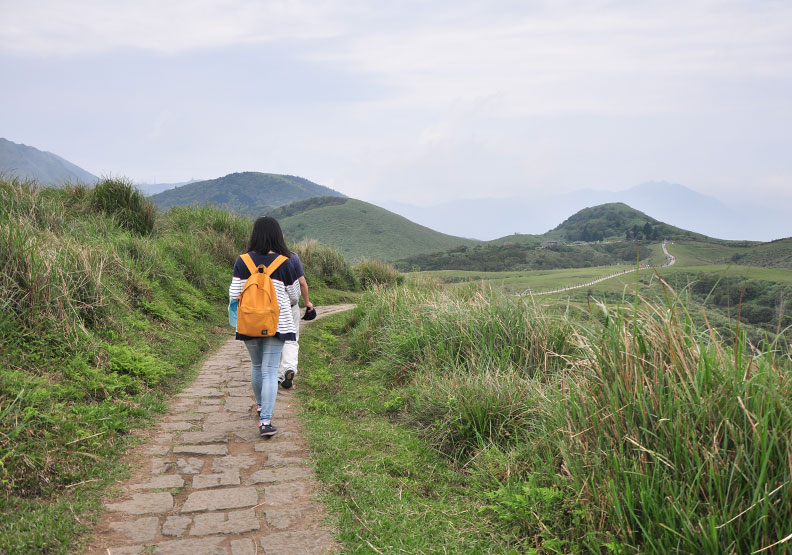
x,y
107,307
642,416
506,425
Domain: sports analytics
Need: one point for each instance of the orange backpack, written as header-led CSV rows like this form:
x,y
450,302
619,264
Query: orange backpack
x,y
258,311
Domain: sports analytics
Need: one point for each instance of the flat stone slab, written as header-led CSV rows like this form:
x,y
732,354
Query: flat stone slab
x,y
201,449
289,494
176,426
217,417
204,437
158,450
248,435
200,392
126,550
204,546
237,404
243,547
144,503
279,446
185,416
246,392
282,519
140,530
162,482
190,465
229,478
235,425
277,459
161,466
294,543
233,462
175,526
285,474
219,499
235,522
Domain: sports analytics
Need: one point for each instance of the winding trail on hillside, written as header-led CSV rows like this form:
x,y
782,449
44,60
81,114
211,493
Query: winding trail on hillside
x,y
670,261
205,482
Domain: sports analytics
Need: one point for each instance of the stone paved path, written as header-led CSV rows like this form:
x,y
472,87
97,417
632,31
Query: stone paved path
x,y
207,483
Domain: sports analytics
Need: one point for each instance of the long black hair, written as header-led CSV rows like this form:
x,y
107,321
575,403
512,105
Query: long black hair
x,y
267,236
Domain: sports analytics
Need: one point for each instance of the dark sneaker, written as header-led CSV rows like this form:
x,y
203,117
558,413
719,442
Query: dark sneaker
x,y
287,379
267,430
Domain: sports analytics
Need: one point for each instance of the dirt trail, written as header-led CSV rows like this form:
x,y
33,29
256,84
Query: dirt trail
x,y
205,482
670,261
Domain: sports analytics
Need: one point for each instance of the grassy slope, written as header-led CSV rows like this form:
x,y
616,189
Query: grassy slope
x,y
92,344
362,230
248,193
387,488
565,435
99,325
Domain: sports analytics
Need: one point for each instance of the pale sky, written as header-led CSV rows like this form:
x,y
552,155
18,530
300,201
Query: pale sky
x,y
412,101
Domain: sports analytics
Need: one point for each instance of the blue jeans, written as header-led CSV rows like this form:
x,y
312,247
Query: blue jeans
x,y
265,355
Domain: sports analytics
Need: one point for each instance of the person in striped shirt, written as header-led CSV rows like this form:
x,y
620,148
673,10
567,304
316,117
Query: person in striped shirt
x,y
265,244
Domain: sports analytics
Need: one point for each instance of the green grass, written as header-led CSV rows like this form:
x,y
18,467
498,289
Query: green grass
x,y
361,230
387,489
602,428
106,308
250,194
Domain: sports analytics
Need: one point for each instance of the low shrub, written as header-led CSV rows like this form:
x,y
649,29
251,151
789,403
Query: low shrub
x,y
376,273
325,264
120,199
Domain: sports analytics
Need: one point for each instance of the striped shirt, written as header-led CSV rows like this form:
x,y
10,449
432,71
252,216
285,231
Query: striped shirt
x,y
287,290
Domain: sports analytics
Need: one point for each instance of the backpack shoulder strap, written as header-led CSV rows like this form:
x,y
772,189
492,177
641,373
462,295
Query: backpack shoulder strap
x,y
248,262
276,264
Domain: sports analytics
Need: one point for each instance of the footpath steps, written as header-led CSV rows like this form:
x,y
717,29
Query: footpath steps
x,y
205,482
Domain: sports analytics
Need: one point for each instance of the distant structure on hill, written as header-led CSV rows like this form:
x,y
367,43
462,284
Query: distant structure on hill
x,y
27,162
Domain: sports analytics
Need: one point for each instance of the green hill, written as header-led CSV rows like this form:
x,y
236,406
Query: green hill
x,y
775,254
604,235
246,193
27,162
362,230
615,220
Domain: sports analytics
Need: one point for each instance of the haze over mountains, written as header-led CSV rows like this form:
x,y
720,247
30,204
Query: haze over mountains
x,y
249,193
27,162
482,219
671,203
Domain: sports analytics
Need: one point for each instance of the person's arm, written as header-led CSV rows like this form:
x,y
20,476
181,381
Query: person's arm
x,y
304,291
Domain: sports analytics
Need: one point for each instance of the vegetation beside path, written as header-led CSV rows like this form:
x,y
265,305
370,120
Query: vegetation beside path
x,y
106,308
502,425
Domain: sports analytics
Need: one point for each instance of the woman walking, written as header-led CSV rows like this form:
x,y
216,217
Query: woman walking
x,y
266,244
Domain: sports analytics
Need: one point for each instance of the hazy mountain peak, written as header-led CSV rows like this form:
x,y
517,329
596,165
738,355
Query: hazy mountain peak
x,y
47,168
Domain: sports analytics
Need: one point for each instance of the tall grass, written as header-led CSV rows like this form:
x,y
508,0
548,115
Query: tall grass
x,y
93,304
325,264
628,430
377,273
685,439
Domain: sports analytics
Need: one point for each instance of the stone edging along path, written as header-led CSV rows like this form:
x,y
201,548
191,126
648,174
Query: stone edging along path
x,y
206,482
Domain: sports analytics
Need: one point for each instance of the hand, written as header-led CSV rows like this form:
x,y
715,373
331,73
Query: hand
x,y
309,305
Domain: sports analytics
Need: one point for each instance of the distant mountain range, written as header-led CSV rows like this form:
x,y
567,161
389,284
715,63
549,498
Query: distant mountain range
x,y
248,193
255,193
149,189
27,162
674,204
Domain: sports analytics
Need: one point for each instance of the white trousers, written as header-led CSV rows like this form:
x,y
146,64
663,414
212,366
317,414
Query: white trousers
x,y
291,349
